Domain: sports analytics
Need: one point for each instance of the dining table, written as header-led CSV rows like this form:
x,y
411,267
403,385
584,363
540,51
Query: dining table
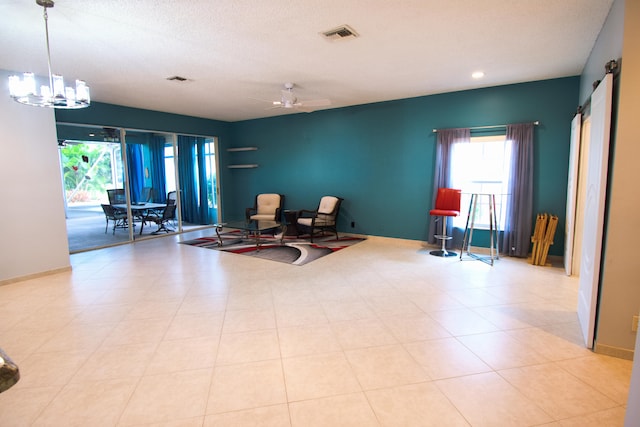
x,y
140,210
140,207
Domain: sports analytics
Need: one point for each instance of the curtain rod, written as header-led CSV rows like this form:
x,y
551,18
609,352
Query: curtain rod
x,y
536,123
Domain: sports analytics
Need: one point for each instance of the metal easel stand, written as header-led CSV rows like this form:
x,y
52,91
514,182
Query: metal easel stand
x,y
493,230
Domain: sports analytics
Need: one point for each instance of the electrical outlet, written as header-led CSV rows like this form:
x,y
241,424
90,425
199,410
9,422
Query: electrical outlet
x,y
634,323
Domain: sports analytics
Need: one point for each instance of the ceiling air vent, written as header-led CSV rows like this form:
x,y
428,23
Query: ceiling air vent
x,y
340,33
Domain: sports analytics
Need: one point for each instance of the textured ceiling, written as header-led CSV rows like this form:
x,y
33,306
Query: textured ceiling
x,y
237,54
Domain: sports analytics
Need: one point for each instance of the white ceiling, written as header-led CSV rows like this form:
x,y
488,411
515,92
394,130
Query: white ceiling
x,y
237,54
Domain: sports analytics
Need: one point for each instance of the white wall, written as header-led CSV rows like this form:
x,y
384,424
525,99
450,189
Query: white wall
x,y
620,293
33,229
632,417
608,46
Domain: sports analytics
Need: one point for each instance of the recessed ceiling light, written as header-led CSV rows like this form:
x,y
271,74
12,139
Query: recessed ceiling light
x,y
477,74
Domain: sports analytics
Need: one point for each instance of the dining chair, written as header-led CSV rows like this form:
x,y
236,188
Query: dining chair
x,y
162,220
147,195
118,217
116,196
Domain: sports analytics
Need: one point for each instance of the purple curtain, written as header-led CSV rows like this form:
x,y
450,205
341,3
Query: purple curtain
x,y
519,216
446,139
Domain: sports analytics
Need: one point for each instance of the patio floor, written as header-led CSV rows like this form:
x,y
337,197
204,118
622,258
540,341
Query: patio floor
x,y
86,229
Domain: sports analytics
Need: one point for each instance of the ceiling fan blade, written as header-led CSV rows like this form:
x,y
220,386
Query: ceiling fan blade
x,y
303,108
316,103
261,100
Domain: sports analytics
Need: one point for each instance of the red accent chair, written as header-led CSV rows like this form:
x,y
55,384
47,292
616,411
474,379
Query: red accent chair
x,y
447,205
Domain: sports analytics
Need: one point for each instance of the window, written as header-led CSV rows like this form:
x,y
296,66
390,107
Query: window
x,y
481,166
169,167
209,152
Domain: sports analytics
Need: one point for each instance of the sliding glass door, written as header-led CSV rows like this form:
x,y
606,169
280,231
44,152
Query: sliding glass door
x,y
118,183
91,163
146,166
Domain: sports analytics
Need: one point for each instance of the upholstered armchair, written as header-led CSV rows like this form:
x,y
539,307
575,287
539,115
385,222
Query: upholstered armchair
x,y
268,207
322,219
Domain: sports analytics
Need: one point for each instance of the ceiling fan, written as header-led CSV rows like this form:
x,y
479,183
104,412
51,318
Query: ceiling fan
x,y
289,100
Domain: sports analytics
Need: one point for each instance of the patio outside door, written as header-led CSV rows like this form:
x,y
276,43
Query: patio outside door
x,y
142,167
90,163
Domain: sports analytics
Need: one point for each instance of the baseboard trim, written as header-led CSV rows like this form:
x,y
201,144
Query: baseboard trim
x,y
607,350
34,276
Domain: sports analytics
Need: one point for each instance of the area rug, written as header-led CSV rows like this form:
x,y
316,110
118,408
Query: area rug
x,y
296,251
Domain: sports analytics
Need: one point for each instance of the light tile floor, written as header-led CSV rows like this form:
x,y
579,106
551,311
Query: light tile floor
x,y
379,334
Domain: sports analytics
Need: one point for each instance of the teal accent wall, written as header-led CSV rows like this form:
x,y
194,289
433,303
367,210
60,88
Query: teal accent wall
x,y
380,157
101,114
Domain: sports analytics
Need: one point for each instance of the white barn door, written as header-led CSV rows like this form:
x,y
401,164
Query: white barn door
x,y
572,190
596,176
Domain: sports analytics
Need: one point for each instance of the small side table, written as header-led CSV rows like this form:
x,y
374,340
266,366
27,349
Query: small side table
x,y
493,229
291,219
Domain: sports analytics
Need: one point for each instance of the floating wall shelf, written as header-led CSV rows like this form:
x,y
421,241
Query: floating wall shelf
x,y
243,166
243,149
